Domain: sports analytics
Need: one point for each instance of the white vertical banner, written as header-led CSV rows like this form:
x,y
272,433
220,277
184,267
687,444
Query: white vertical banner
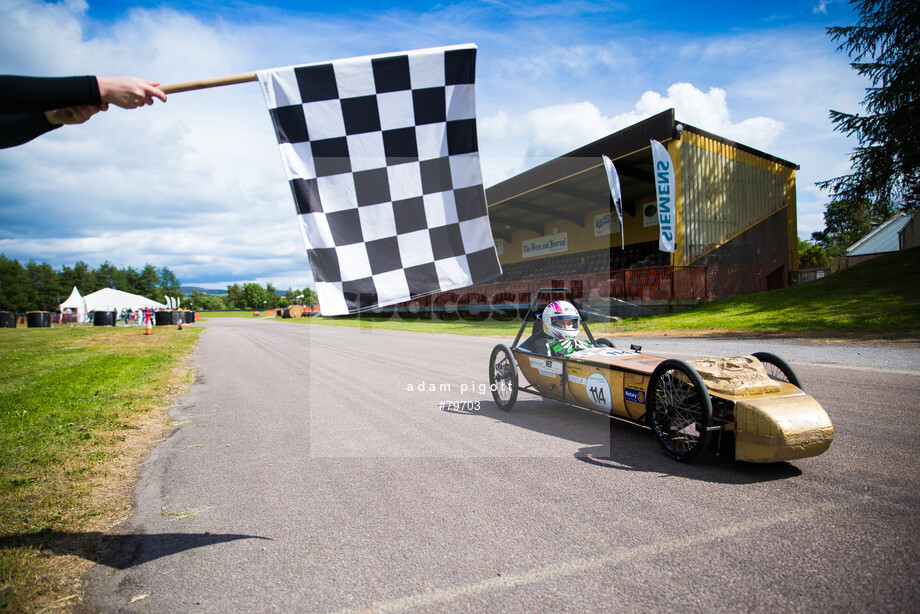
x,y
665,194
613,180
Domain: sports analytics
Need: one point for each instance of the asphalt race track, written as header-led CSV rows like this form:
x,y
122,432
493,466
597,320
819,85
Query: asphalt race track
x,y
308,473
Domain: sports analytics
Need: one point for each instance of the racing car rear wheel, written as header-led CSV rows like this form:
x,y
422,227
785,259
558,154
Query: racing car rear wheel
x,y
679,409
503,377
778,369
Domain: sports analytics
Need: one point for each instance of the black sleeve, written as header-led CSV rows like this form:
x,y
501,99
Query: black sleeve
x,y
39,94
19,129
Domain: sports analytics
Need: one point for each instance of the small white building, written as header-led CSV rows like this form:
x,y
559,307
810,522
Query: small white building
x,y
882,240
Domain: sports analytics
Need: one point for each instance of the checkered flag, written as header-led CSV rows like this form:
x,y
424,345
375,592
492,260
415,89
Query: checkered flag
x,y
382,158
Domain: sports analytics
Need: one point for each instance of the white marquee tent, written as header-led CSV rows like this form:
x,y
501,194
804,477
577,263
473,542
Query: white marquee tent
x,y
76,304
108,299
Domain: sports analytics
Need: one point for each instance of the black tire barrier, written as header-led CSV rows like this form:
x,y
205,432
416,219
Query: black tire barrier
x,y
38,319
163,318
7,319
104,318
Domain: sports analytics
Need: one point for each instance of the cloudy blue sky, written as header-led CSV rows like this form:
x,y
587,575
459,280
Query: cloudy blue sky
x,y
196,184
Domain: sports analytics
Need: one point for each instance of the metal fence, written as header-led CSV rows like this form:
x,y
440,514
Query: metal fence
x,y
803,275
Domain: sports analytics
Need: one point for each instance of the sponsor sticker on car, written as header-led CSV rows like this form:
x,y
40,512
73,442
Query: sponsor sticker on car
x,y
547,367
636,394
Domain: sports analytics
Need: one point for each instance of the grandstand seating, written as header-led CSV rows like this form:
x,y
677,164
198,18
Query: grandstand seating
x,y
640,254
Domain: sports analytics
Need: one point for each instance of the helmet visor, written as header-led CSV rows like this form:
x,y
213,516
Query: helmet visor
x,y
565,322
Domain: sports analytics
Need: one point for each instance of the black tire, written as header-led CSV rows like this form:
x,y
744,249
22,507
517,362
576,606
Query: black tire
x,y
603,341
679,410
778,369
503,377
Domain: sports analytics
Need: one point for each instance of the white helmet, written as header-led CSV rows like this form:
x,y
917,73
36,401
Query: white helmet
x,y
560,320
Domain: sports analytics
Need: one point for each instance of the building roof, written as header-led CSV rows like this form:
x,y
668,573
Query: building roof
x,y
881,240
575,183
74,301
109,299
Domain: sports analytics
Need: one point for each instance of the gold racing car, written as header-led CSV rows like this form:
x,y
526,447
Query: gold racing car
x,y
752,405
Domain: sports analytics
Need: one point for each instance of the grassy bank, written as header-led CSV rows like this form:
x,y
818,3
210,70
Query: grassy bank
x,y
879,298
79,407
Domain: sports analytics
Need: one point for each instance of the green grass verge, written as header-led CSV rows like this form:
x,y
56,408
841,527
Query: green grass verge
x,y
204,315
69,400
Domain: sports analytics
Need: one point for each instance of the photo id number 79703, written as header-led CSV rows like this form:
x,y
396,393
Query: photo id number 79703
x,y
459,406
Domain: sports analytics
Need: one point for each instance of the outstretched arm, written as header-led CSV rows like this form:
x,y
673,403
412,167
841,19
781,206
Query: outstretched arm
x,y
129,92
31,106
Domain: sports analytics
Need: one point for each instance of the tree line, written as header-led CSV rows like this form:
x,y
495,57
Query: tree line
x,y
250,296
884,178
39,287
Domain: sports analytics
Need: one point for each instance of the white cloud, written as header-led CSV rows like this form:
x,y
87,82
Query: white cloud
x,y
709,111
547,132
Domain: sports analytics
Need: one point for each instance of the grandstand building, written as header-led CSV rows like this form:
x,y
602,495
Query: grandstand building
x,y
554,225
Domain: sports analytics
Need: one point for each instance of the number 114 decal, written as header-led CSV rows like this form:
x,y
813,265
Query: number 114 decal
x,y
598,391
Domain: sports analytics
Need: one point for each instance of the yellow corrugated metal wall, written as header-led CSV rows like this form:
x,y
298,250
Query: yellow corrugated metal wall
x,y
726,191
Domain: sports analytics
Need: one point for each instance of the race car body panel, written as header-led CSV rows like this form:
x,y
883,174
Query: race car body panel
x,y
781,427
607,380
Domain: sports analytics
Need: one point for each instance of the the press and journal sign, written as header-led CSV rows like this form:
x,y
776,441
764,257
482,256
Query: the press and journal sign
x,y
541,246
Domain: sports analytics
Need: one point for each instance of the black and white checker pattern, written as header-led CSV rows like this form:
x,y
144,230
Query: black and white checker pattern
x,y
382,158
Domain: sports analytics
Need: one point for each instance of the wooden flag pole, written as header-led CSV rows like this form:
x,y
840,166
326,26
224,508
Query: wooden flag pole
x,y
206,83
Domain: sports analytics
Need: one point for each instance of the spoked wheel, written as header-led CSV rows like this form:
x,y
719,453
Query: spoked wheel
x,y
778,369
503,377
679,410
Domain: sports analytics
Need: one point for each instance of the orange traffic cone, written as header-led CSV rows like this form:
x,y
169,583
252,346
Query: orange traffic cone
x,y
180,321
149,330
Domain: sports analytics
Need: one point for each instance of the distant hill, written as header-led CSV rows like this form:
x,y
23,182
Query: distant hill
x,y
187,290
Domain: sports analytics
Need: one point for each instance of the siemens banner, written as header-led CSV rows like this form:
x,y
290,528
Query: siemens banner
x,y
666,195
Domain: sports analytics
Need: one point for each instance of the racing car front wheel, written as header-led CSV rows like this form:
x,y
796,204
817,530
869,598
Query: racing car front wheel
x,y
503,377
778,369
605,342
679,409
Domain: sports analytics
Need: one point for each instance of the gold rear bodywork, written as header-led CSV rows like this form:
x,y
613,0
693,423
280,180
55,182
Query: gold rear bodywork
x,y
781,427
735,376
774,421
